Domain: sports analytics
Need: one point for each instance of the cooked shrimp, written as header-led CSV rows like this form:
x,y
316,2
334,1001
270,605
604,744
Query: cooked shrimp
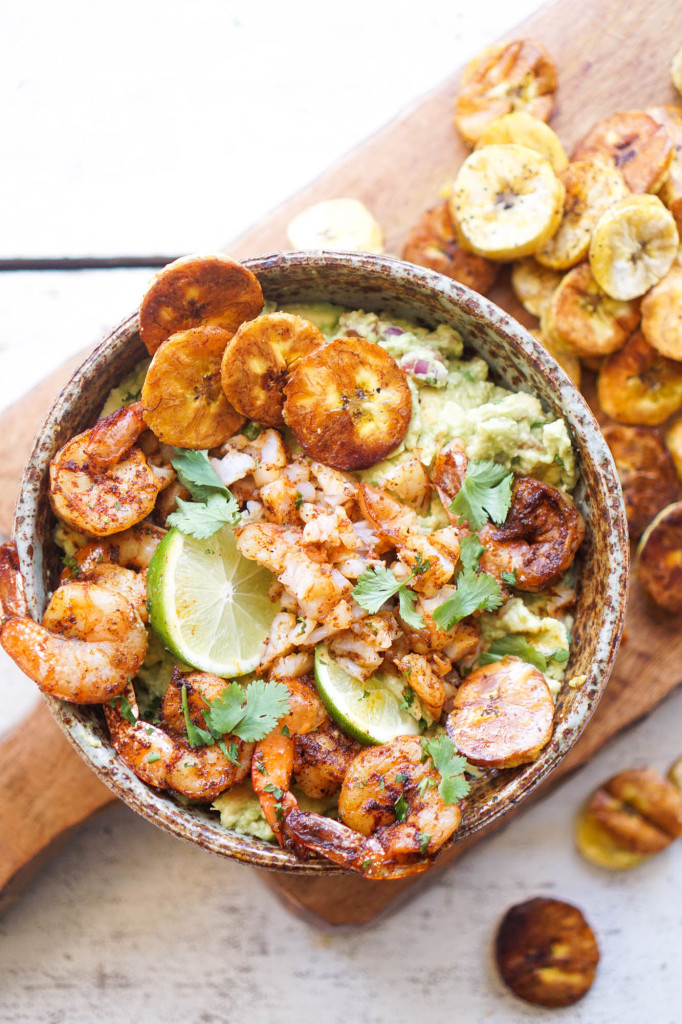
x,y
322,758
424,682
317,587
432,556
361,648
99,482
449,471
373,837
409,482
90,644
273,758
539,538
166,760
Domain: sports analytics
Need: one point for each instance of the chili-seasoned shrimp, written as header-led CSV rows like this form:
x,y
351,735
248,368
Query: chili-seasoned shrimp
x,y
100,482
539,538
377,835
273,758
165,759
89,645
322,758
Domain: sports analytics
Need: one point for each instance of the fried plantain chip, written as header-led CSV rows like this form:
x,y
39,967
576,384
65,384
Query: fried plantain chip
x,y
182,398
659,559
673,439
599,846
646,470
636,144
534,284
662,314
525,130
638,385
259,360
546,952
349,404
587,321
504,77
675,774
503,714
567,360
433,243
197,291
671,191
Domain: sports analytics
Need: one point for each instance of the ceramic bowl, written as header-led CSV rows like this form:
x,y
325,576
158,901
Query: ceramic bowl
x,y
518,362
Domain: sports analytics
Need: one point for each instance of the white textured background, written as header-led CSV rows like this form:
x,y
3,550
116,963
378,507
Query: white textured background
x,y
156,127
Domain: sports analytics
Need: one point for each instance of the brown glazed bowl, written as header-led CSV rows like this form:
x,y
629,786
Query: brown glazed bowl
x,y
377,283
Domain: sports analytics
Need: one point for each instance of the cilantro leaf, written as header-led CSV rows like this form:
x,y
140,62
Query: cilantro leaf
x,y
517,646
450,765
197,737
475,592
202,520
423,838
196,473
124,709
407,599
561,655
509,577
374,587
378,583
400,808
470,550
249,713
485,494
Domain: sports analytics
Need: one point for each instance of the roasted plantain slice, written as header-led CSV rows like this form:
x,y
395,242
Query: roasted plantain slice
x,y
662,314
646,471
636,144
671,190
567,360
533,284
523,129
676,70
433,243
659,559
637,385
633,816
591,187
585,320
546,952
673,440
336,224
348,404
502,715
675,774
507,201
182,399
504,77
259,359
633,245
197,291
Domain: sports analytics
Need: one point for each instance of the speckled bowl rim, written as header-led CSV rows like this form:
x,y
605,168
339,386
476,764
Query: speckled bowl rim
x,y
198,828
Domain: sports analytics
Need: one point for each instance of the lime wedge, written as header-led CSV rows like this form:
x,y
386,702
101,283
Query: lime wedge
x,y
208,604
369,712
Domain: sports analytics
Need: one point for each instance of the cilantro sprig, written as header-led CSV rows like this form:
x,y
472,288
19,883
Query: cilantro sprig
x,y
450,765
475,592
517,646
213,506
249,713
470,551
485,494
377,584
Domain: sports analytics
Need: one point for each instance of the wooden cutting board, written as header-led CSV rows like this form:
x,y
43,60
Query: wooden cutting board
x,y
611,55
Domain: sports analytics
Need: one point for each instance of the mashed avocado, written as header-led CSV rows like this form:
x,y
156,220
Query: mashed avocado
x,y
128,391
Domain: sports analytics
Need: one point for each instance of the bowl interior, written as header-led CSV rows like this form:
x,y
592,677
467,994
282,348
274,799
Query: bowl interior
x,y
518,362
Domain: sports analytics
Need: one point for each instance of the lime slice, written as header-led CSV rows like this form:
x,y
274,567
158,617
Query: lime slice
x,y
208,604
369,712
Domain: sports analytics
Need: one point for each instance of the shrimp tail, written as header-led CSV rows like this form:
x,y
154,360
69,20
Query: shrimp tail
x,y
12,592
114,436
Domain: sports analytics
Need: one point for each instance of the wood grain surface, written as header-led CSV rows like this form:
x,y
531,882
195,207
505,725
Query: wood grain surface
x,y
610,56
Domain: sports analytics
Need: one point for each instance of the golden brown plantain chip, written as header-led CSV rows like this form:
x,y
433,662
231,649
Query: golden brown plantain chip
x,y
638,145
566,359
637,385
503,714
671,192
534,284
659,559
433,243
259,360
183,400
662,314
546,952
646,471
673,439
197,291
675,774
506,76
599,847
348,404
587,321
